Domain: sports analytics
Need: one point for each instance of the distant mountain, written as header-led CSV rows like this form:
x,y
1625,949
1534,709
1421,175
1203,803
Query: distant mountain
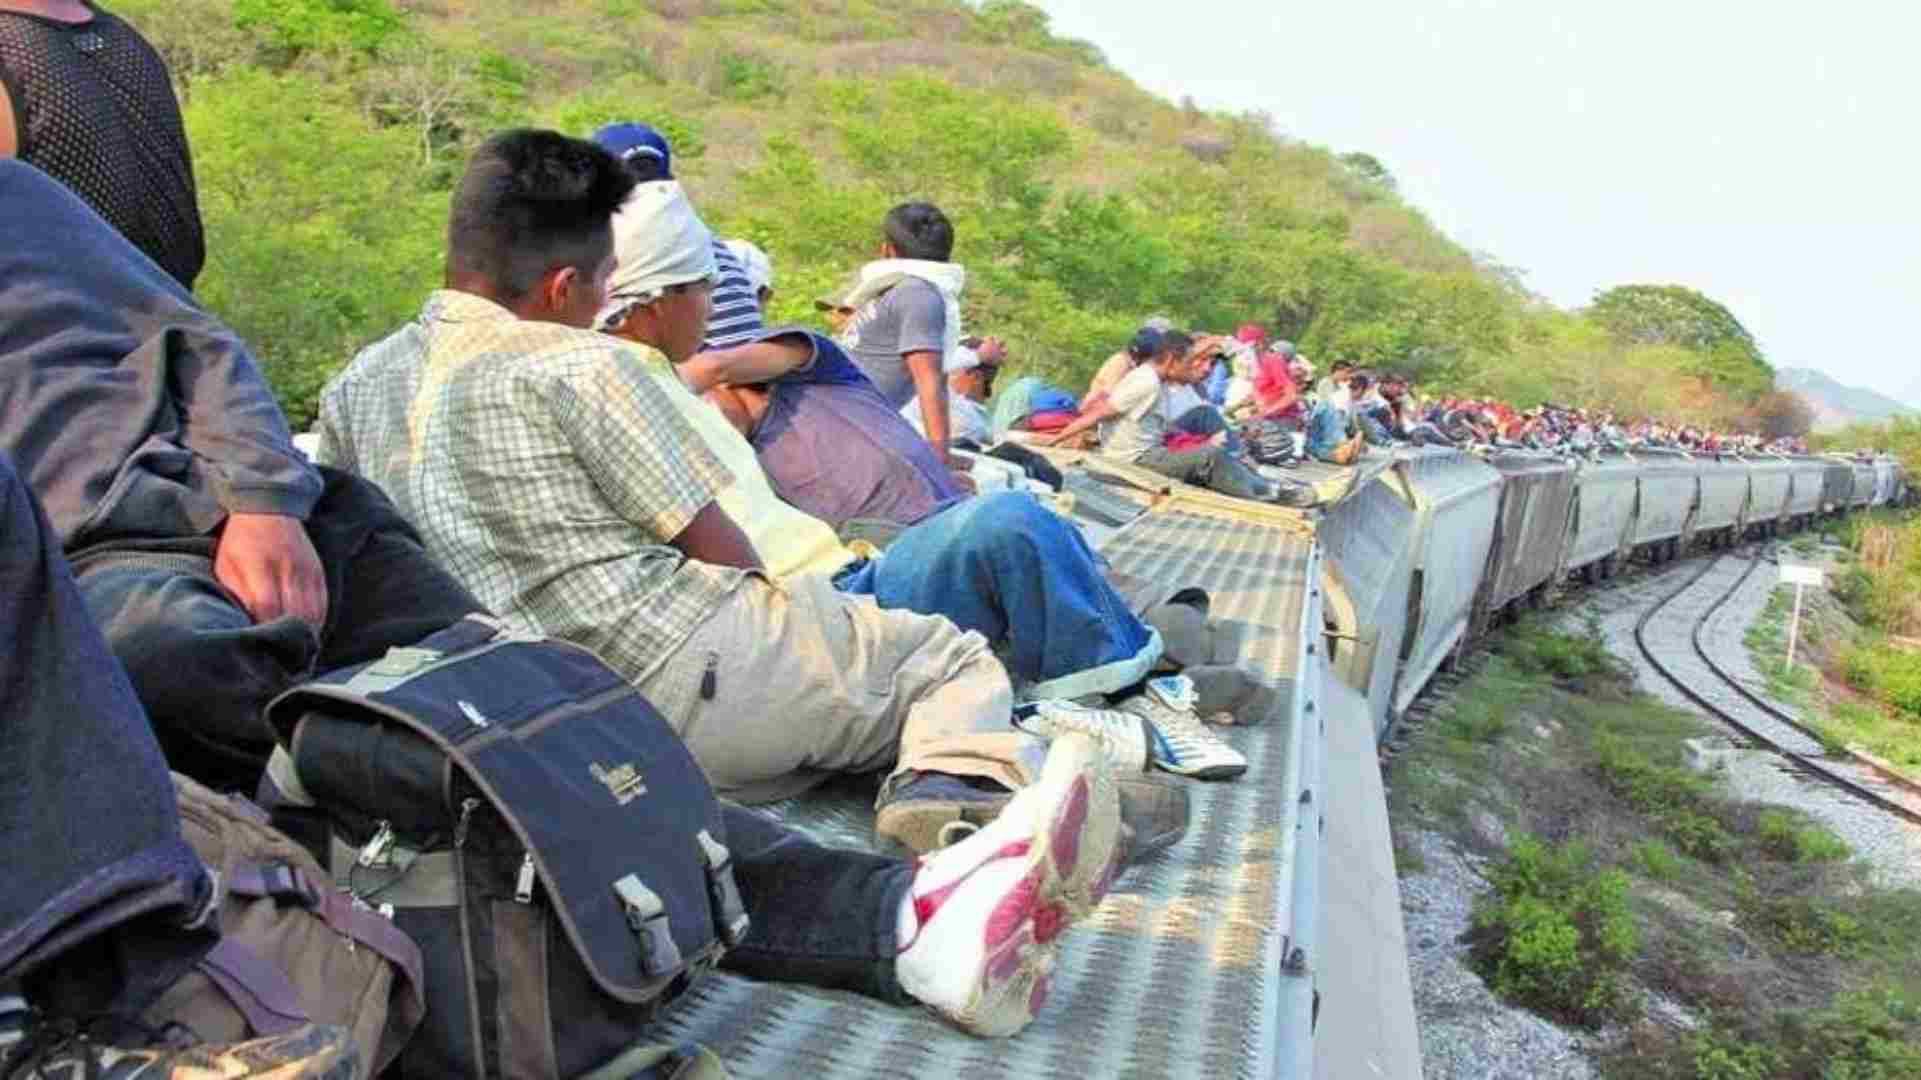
x,y
1835,405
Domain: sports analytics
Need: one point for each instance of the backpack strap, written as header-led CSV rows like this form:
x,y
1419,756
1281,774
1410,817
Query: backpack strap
x,y
249,981
259,991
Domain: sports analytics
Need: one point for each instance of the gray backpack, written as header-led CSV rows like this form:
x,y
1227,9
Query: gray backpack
x,y
293,948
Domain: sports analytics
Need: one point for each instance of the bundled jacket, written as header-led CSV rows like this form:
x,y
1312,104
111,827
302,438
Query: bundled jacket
x,y
132,413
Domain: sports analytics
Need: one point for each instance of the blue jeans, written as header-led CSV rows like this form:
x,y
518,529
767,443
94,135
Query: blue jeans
x,y
1205,420
820,915
1212,467
100,897
1006,566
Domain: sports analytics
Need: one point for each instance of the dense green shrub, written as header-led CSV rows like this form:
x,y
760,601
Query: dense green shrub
x,y
1891,674
1556,932
1786,836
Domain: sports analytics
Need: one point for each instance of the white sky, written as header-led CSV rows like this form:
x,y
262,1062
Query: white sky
x,y
1753,151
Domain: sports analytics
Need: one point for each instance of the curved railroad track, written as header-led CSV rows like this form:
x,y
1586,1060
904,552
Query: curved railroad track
x,y
1763,722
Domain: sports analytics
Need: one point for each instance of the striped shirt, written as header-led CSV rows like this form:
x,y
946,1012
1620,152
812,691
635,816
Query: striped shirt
x,y
736,315
545,470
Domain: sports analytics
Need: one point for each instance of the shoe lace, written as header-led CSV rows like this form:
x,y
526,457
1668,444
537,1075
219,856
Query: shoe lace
x,y
1109,727
1182,732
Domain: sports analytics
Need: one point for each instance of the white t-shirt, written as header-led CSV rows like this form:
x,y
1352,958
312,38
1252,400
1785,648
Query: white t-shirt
x,y
966,419
1178,401
1137,425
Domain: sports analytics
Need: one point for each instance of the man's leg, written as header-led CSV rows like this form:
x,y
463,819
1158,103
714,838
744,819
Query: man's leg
x,y
1008,568
200,665
205,670
386,591
98,877
1211,467
822,916
806,682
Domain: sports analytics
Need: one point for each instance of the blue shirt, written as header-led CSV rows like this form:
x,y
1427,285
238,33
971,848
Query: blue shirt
x,y
833,447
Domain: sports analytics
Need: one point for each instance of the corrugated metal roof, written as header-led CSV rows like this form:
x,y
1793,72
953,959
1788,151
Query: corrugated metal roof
x,y
1178,973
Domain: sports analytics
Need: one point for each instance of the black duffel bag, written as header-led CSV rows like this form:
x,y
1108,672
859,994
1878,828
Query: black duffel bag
x,y
532,823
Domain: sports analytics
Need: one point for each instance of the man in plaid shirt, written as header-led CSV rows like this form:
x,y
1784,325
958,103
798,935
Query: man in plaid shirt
x,y
547,471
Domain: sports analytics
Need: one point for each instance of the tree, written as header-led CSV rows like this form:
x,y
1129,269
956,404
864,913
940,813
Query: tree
x,y
1781,414
1369,169
1679,316
429,90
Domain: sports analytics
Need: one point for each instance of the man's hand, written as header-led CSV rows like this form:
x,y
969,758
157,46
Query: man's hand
x,y
992,351
267,562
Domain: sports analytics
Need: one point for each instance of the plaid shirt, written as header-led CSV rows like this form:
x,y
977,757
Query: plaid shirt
x,y
543,467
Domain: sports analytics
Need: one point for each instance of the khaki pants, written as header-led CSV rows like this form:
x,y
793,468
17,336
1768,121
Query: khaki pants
x,y
808,682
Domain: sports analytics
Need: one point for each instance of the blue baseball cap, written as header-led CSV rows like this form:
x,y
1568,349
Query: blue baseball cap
x,y
1146,343
631,140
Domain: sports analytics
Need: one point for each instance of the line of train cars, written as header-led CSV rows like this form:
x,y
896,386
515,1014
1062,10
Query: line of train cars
x,y
1438,548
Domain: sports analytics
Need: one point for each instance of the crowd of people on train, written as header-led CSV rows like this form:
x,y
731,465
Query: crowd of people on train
x,y
800,544
589,434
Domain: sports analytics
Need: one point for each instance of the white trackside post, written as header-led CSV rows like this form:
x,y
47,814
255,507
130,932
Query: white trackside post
x,y
1794,626
1800,577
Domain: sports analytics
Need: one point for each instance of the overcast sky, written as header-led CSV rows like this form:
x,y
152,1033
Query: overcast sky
x,y
1763,153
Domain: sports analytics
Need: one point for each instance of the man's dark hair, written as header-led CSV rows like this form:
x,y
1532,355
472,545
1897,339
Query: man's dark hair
x,y
1339,364
919,230
531,201
1176,342
645,168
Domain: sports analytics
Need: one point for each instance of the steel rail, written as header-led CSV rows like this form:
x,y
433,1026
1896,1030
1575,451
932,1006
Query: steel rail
x,y
1800,761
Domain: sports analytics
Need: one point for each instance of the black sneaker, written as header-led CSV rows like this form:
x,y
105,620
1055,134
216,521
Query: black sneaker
x,y
66,1050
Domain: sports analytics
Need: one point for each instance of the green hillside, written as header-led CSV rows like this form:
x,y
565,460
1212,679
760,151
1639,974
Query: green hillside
x,y
328,133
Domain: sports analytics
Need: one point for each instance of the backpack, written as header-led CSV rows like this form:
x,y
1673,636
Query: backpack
x,y
533,824
293,949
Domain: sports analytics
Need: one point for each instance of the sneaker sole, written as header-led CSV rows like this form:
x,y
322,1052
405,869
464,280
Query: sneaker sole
x,y
1204,772
1079,840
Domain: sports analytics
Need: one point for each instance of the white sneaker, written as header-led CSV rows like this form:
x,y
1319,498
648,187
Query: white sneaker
x,y
1124,737
988,911
1180,742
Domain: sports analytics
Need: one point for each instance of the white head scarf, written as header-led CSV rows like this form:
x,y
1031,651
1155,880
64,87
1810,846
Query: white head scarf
x,y
660,242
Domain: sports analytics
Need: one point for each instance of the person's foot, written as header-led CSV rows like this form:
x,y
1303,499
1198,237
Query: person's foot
x,y
1291,493
63,1049
987,912
1154,814
1182,744
1123,736
926,811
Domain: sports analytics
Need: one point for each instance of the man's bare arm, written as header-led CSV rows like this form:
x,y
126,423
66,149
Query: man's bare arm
x,y
745,365
9,137
1098,410
930,386
713,537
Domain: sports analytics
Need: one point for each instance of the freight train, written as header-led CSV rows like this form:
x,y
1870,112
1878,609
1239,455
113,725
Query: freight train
x,y
1444,544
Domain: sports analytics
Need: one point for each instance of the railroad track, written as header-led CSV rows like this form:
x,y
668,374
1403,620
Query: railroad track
x,y
1763,722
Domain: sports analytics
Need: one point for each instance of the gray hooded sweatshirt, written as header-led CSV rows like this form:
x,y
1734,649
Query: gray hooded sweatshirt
x,y
132,413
